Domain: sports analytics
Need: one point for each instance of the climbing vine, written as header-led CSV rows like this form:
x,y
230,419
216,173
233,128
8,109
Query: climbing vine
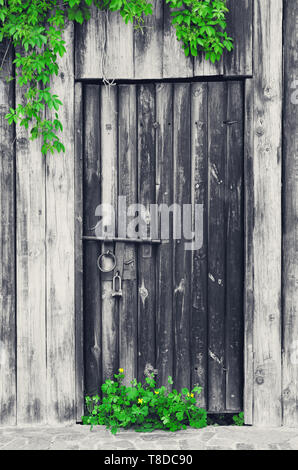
x,y
35,29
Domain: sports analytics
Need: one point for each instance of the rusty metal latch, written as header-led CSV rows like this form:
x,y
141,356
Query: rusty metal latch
x,y
117,285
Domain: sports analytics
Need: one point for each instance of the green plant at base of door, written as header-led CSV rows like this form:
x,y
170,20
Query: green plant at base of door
x,y
144,407
35,28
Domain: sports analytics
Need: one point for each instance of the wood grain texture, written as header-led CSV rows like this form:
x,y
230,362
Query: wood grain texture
x,y
164,260
216,244
146,196
240,28
181,66
31,282
90,45
60,254
148,44
248,253
109,161
182,257
78,255
119,52
92,198
7,243
234,248
127,186
199,269
267,211
290,208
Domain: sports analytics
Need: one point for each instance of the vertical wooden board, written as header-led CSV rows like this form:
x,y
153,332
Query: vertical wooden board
x,y
248,253
31,286
234,248
60,269
90,46
164,260
109,306
240,28
175,64
148,44
216,245
7,243
290,233
127,186
146,196
119,59
199,269
182,257
78,194
267,198
92,198
205,68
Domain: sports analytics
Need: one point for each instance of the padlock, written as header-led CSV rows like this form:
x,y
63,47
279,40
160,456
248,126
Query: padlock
x,y
117,292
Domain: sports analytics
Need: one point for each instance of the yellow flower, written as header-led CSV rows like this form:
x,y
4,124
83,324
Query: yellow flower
x,y
121,371
157,392
192,395
140,400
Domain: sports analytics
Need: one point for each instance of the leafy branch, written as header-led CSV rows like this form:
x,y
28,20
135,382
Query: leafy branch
x,y
35,28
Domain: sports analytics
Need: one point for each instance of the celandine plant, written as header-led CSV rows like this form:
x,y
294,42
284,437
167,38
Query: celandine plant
x,y
35,28
144,407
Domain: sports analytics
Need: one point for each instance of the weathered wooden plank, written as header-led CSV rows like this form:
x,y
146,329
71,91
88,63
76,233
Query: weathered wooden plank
x,y
127,186
240,28
164,260
90,45
31,286
248,253
60,254
78,194
7,243
92,198
109,306
182,257
181,66
290,233
146,196
234,248
205,68
148,44
199,269
216,245
267,211
118,61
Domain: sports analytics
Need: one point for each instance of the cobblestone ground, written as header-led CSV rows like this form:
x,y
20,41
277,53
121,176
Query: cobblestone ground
x,y
77,437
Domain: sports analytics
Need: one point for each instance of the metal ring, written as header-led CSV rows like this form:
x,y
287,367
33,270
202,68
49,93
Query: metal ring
x,y
110,255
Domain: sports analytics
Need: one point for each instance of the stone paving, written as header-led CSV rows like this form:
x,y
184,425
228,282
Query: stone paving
x,y
77,437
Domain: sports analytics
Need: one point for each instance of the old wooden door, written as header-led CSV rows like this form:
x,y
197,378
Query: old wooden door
x,y
180,311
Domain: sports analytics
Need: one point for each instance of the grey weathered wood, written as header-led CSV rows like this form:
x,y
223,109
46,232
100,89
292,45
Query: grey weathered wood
x,y
199,270
79,312
248,251
182,257
7,243
182,66
118,60
216,245
31,283
290,233
60,305
146,196
127,186
92,198
234,249
240,28
164,260
148,44
109,305
90,44
267,211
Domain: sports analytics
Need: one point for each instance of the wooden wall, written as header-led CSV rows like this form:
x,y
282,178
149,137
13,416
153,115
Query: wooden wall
x,y
40,206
